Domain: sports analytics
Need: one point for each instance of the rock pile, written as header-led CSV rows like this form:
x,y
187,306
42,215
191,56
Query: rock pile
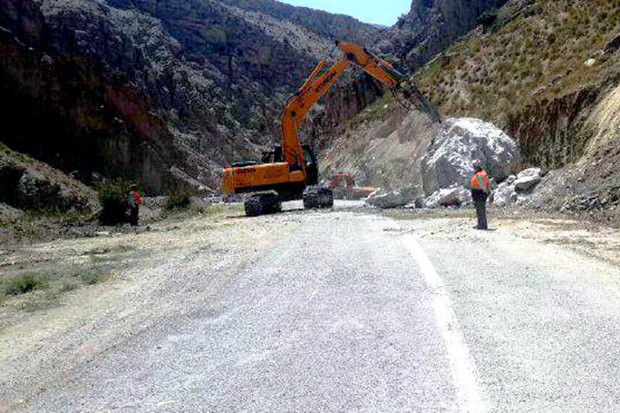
x,y
456,195
447,167
515,189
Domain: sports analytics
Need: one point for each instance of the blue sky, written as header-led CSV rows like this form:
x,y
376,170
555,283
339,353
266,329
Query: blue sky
x,y
384,12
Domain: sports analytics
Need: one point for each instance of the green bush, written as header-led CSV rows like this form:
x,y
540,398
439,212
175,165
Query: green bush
x,y
178,198
24,283
113,198
91,277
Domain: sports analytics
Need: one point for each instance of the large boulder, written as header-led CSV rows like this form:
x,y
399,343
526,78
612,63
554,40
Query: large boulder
x,y
395,198
36,192
449,158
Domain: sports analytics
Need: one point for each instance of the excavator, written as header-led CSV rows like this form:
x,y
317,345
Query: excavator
x,y
290,171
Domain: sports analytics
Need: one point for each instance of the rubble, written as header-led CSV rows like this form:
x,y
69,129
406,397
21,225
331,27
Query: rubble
x,y
505,193
527,180
455,195
515,189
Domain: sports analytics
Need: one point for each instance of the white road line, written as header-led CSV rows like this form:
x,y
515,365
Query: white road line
x,y
464,371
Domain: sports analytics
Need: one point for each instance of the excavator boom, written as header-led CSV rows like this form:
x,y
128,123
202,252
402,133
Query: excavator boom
x,y
316,86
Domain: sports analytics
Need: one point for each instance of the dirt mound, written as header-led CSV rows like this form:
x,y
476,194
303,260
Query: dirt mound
x,y
26,184
382,146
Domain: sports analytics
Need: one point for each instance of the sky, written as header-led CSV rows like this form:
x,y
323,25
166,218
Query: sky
x,y
384,12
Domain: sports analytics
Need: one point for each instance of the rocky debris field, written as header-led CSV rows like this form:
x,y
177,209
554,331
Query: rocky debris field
x,y
589,188
446,167
517,189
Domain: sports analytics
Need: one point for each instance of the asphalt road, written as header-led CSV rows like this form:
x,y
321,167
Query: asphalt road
x,y
357,312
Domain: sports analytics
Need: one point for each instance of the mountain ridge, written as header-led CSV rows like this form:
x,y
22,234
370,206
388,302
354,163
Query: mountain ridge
x,y
157,91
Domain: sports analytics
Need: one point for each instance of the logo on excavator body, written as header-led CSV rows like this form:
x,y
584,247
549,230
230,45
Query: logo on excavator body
x,y
245,171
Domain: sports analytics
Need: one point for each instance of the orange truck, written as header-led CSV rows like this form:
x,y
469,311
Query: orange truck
x,y
291,171
343,186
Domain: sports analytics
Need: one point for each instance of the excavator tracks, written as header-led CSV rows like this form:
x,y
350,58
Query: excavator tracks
x,y
262,204
318,197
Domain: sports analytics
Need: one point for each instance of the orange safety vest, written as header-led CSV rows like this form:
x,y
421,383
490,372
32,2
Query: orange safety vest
x,y
480,181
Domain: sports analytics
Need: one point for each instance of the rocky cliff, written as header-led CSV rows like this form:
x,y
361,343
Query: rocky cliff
x,y
432,25
162,92
547,72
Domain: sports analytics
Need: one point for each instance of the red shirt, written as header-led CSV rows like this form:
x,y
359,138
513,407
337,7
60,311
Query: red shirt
x,y
480,180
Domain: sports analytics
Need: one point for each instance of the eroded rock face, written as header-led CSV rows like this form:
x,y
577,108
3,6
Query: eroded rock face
x,y
449,159
140,87
432,25
383,152
550,134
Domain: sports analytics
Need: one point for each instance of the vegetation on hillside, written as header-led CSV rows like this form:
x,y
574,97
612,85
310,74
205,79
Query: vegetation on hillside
x,y
113,197
539,54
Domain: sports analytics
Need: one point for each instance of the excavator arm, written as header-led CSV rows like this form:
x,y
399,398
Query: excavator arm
x,y
318,84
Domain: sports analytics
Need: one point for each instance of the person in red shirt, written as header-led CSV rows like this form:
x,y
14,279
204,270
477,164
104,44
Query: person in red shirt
x,y
480,192
135,200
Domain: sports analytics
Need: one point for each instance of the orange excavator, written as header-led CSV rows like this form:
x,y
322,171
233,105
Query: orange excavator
x,y
290,171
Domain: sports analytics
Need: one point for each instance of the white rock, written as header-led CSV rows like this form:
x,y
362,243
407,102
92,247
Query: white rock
x,y
505,194
458,144
527,180
456,195
590,62
393,199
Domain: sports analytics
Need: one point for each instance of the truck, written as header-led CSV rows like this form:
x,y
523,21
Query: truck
x,y
343,186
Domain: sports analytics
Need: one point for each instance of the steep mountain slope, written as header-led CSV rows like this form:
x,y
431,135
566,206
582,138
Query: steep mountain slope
x,y
326,25
547,71
432,25
164,92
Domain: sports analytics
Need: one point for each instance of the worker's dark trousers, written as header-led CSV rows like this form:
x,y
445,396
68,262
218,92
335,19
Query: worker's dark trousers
x,y
481,212
134,215
480,201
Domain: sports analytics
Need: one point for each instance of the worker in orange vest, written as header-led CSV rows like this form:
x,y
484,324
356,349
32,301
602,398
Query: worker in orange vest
x,y
135,200
480,192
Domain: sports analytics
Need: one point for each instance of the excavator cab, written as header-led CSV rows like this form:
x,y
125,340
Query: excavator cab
x,y
312,165
273,156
